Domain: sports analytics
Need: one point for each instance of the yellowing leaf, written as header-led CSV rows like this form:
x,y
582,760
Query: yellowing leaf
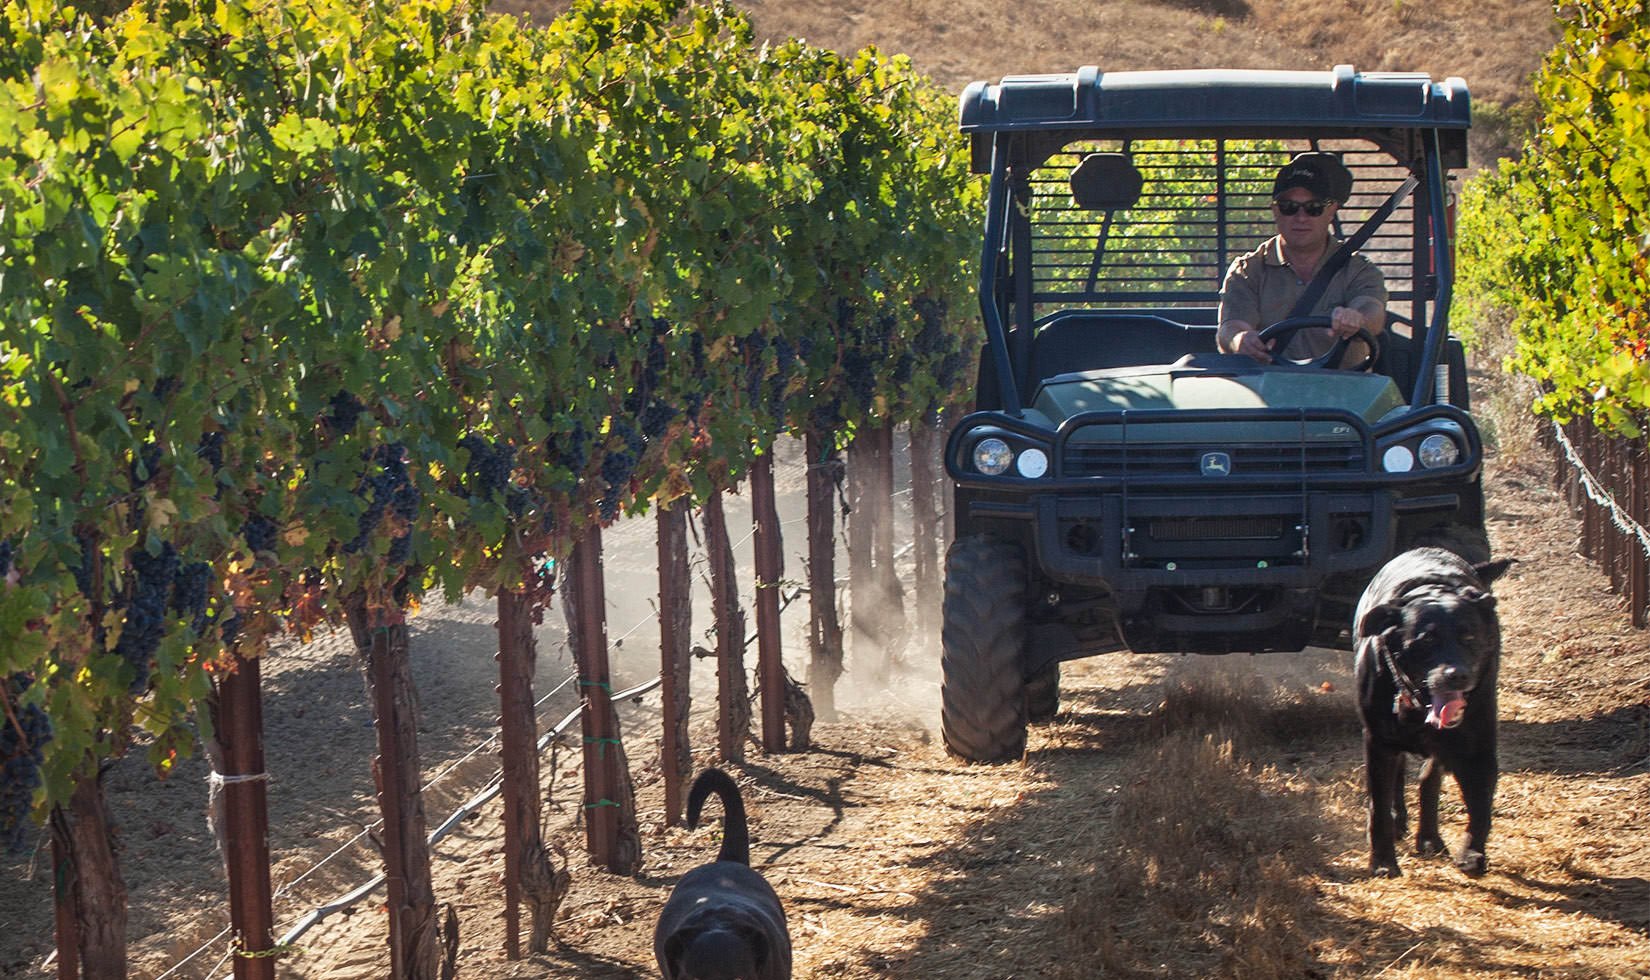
x,y
160,512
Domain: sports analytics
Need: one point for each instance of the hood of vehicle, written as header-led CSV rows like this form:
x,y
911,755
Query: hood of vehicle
x,y
1368,396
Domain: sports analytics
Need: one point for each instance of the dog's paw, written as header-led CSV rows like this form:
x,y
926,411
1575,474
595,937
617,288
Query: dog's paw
x,y
1472,863
1429,846
1379,869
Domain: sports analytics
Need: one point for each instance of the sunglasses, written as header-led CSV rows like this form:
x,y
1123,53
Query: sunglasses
x,y
1288,208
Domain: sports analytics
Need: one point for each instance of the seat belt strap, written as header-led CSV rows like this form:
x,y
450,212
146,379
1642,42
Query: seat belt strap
x,y
1338,261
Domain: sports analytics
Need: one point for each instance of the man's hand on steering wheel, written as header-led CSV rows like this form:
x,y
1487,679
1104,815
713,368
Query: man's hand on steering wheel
x,y
1345,322
1250,343
1277,336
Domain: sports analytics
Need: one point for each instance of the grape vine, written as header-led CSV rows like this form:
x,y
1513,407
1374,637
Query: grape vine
x,y
1561,235
274,334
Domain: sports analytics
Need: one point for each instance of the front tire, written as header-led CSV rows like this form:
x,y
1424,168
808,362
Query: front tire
x,y
982,687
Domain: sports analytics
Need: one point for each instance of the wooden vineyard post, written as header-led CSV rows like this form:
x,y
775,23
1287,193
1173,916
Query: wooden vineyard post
x,y
770,568
825,470
237,712
890,593
528,871
925,526
1610,536
861,586
380,633
675,655
65,922
877,612
1589,510
1638,505
90,893
733,703
611,831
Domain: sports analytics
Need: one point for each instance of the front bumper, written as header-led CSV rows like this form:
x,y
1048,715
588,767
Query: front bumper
x,y
1189,562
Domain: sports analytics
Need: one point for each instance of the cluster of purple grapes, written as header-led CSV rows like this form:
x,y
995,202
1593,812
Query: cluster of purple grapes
x,y
344,410
656,418
825,414
860,376
846,313
259,532
389,486
930,338
950,369
696,353
190,590
5,559
784,355
211,449
147,591
886,330
88,555
619,465
21,748
904,365
488,471
570,449
653,413
143,465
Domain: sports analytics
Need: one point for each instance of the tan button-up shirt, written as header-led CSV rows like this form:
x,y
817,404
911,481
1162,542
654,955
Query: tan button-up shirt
x,y
1261,289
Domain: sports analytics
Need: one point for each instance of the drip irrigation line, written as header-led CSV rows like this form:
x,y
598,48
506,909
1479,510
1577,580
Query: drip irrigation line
x,y
491,791
282,891
494,787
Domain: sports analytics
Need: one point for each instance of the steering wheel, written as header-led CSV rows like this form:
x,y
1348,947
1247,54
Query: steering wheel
x,y
1285,330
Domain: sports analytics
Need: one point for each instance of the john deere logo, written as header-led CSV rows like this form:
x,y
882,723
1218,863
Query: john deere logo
x,y
1216,464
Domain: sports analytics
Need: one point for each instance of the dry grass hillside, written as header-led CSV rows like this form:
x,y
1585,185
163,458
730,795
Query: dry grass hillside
x,y
1493,44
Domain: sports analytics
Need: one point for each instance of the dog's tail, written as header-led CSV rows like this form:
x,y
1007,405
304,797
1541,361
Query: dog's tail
x,y
736,842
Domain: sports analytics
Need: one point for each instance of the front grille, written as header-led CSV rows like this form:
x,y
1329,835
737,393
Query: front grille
x,y
1268,528
1156,459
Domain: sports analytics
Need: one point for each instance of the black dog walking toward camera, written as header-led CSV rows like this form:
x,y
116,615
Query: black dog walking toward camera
x,y
723,921
1428,649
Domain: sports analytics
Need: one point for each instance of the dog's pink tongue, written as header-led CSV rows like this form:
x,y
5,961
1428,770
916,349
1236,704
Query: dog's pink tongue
x,y
1446,710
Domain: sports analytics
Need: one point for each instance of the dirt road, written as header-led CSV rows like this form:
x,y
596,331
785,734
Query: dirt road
x,y
1181,817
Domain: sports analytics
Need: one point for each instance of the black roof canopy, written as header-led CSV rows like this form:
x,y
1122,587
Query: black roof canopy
x,y
1218,102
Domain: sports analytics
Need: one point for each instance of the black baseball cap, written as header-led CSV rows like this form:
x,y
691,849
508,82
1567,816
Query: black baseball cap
x,y
1321,173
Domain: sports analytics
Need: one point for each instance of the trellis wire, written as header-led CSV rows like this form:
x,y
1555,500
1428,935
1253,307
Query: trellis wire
x,y
282,891
1601,496
481,798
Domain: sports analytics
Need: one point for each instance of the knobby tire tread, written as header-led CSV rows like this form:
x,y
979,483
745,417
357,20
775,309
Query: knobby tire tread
x,y
982,691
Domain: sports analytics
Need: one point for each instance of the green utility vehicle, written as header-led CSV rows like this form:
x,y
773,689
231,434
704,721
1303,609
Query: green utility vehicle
x,y
1123,486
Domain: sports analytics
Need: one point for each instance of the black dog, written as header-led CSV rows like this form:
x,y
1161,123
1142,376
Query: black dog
x,y
723,921
1429,647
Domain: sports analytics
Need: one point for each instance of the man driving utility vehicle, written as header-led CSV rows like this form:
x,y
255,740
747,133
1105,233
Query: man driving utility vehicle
x,y
1265,286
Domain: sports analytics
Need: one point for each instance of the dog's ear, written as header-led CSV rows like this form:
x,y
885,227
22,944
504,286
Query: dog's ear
x,y
1478,599
760,950
1381,619
1491,570
673,954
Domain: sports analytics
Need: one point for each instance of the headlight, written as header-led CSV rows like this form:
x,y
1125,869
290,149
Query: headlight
x,y
1032,463
1398,459
1438,450
992,456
